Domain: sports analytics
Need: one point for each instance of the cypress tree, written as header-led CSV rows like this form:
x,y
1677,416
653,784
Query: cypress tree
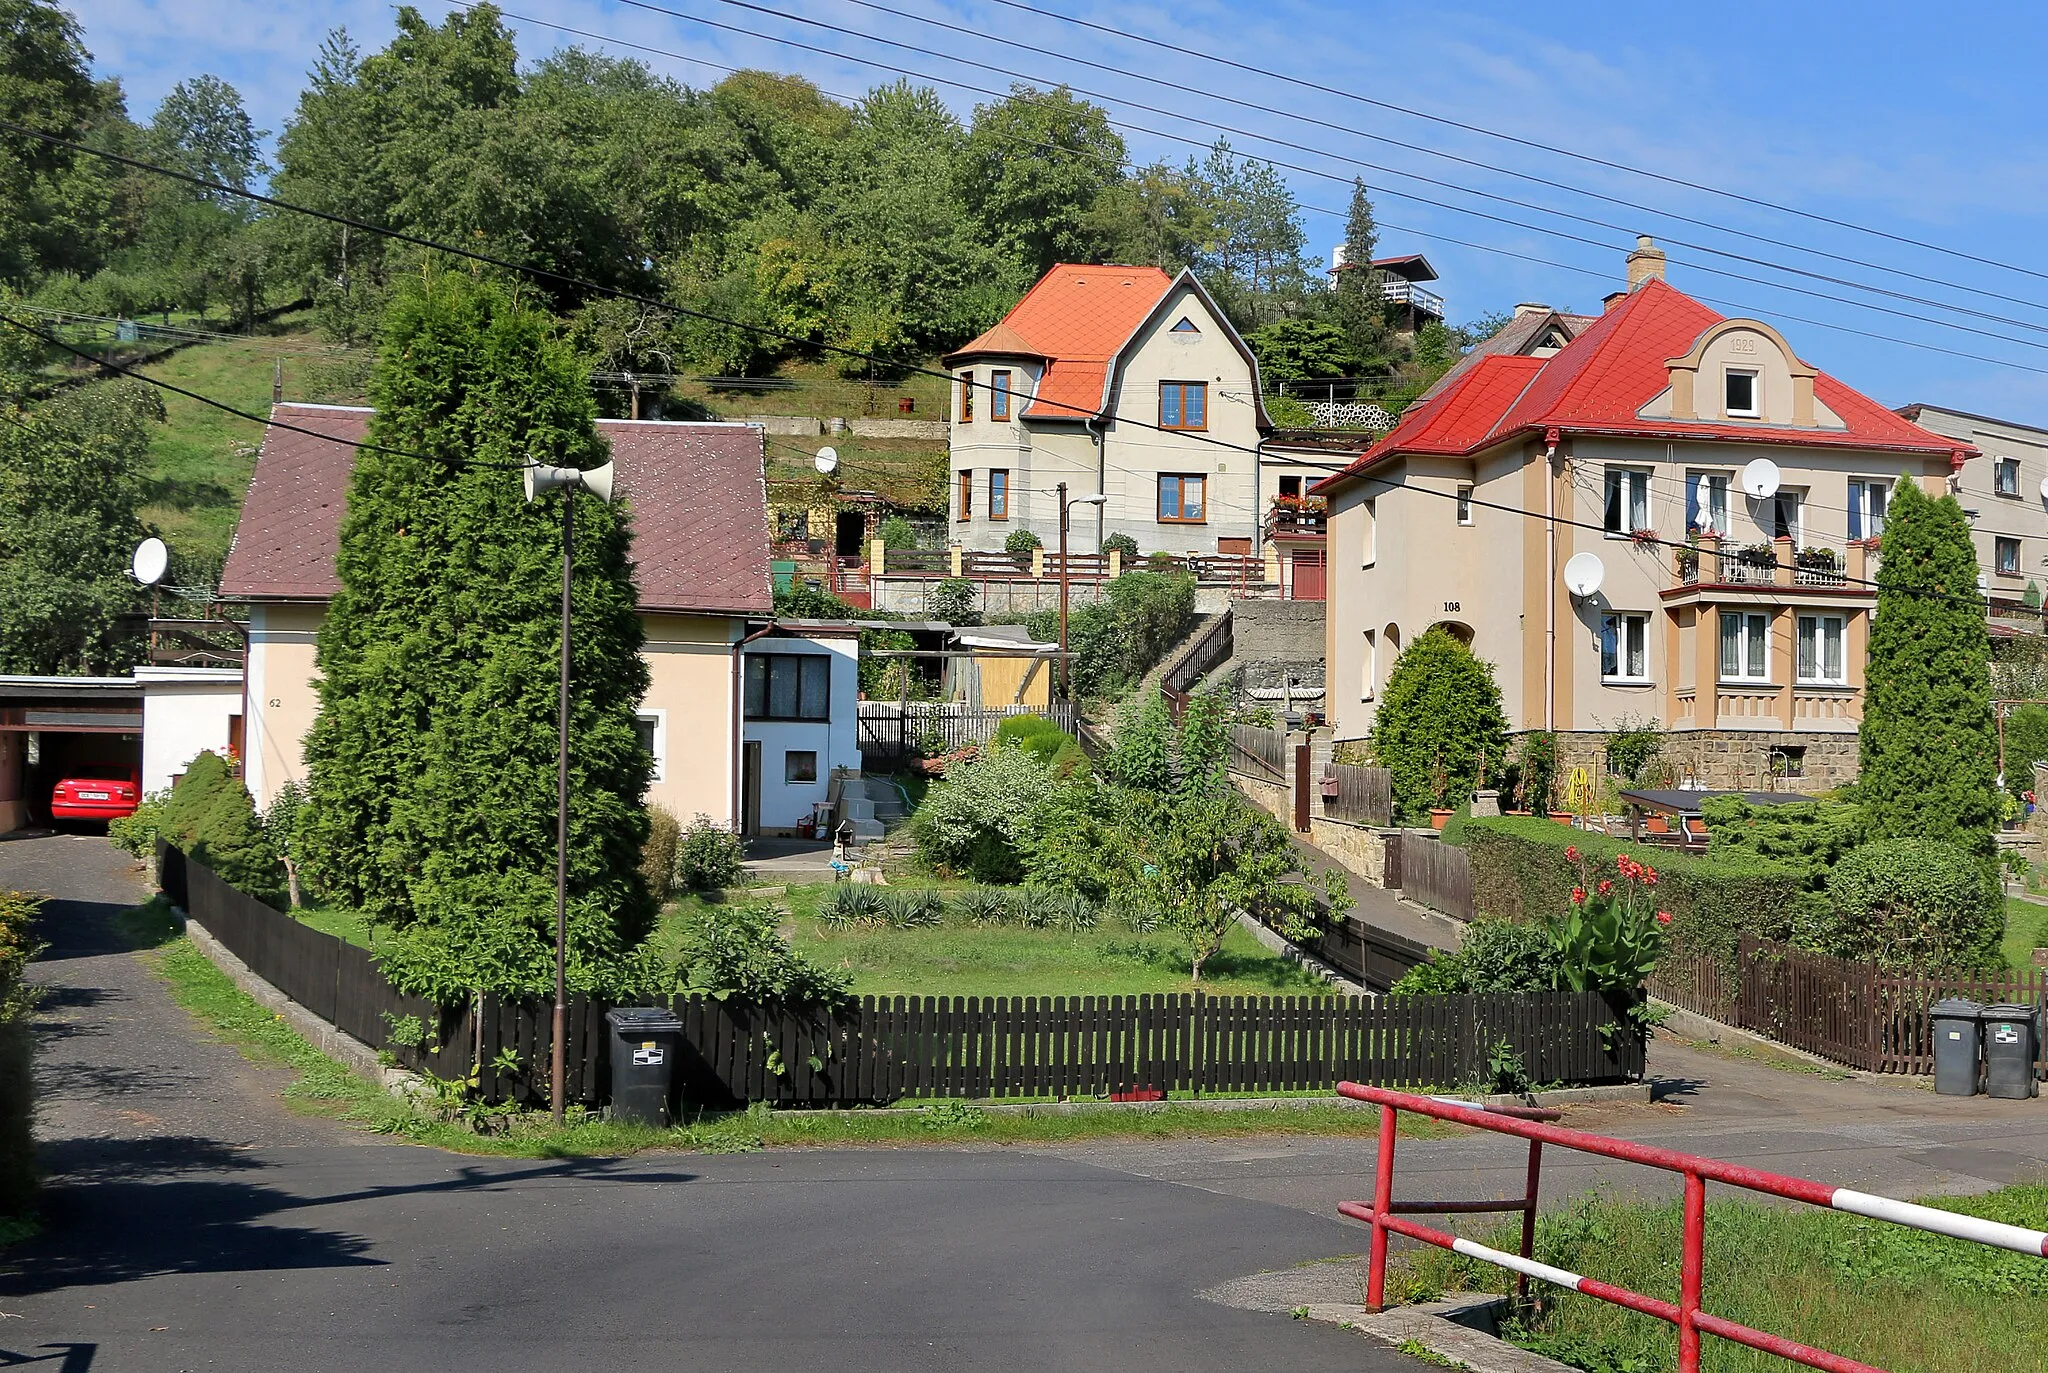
x,y
1361,308
432,762
1929,745
1440,728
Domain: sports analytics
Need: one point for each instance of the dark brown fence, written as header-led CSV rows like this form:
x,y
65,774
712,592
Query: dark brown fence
x,y
1260,753
881,1049
1435,874
887,1049
1366,953
1834,1008
1362,795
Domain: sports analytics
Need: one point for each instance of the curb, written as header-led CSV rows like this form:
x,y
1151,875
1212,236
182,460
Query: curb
x,y
344,1048
1459,1328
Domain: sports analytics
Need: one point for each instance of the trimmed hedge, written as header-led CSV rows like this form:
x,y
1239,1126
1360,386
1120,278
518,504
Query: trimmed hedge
x,y
1519,872
1915,903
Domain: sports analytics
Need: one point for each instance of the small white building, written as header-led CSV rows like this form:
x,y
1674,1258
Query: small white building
x,y
186,711
800,694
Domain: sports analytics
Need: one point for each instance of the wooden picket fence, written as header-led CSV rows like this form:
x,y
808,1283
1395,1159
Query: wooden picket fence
x,y
1432,873
1847,1012
1260,753
1362,795
876,1050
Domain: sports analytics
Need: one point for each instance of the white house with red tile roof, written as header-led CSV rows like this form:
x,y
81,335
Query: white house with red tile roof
x,y
745,722
1125,383
1585,439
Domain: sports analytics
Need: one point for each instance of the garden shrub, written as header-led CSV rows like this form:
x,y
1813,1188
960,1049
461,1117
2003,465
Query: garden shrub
x,y
709,857
1520,872
1036,735
658,852
1914,904
983,905
1537,773
2026,743
911,908
1440,729
17,1045
897,532
1811,836
1123,545
737,951
850,905
1021,544
210,816
1496,955
954,600
138,831
1118,639
977,820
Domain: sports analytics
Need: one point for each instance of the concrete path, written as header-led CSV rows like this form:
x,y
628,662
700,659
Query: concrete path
x,y
192,1221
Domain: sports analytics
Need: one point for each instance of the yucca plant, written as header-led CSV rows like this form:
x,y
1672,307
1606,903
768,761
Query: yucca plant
x,y
913,908
1037,907
1073,912
851,904
984,905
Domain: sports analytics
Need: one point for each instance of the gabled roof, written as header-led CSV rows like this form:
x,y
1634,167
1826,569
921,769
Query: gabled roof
x,y
1078,320
1600,383
695,491
1520,335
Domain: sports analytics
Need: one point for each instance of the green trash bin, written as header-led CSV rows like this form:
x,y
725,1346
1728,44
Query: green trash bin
x,y
1957,1036
2009,1051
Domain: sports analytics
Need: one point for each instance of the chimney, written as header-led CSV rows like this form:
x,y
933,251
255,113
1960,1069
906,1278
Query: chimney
x,y
1612,299
1530,307
1645,263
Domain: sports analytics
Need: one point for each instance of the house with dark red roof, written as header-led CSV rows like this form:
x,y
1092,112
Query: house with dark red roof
x,y
1653,514
1127,384
745,721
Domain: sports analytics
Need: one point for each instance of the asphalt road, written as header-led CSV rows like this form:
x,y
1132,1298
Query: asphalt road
x,y
193,1222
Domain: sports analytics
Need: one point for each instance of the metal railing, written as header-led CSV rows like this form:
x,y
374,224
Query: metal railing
x,y
1384,1215
1395,291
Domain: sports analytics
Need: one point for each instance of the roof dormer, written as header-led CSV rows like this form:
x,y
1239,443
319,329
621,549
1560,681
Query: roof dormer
x,y
1744,372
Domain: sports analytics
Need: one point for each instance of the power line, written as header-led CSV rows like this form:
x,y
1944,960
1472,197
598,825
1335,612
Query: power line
x,y
619,292
1427,234
1509,171
1543,147
240,413
1320,152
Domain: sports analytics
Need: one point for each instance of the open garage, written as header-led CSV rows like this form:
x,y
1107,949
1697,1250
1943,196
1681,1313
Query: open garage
x,y
57,727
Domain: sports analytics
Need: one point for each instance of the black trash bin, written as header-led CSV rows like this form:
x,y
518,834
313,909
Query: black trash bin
x,y
2009,1051
1956,1041
643,1062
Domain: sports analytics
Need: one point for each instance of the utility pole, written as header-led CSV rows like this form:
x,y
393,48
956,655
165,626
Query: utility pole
x,y
558,1080
1066,690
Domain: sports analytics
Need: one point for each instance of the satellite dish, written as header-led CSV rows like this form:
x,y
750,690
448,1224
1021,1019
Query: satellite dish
x,y
2044,488
827,461
1583,573
1760,478
151,558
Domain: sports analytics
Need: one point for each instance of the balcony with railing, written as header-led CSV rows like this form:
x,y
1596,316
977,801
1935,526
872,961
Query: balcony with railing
x,y
1395,291
1297,519
1709,562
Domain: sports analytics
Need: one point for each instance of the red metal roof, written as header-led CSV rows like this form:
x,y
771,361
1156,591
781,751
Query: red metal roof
x,y
1600,382
697,501
1077,317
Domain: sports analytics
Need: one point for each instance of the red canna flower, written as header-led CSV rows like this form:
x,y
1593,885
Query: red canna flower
x,y
1663,917
1571,853
1606,886
1578,896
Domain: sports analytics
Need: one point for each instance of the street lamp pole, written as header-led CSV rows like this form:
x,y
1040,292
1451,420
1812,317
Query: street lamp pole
x,y
598,482
1066,683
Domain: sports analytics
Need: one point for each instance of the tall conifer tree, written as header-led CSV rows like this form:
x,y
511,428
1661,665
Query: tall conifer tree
x,y
432,763
1929,745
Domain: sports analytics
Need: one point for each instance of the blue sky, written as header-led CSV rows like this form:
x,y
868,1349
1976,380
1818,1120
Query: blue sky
x,y
1865,113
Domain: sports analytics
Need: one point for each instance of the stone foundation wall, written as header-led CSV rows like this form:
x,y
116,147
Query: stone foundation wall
x,y
1724,759
1279,631
1359,848
1271,797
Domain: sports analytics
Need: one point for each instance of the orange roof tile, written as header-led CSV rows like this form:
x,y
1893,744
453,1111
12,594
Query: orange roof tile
x,y
1600,382
1077,317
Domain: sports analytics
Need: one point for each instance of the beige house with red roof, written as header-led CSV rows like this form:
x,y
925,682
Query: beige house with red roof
x,y
1122,382
745,721
1586,438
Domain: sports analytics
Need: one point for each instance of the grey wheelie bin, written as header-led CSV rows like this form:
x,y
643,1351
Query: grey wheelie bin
x,y
1957,1034
2009,1051
643,1063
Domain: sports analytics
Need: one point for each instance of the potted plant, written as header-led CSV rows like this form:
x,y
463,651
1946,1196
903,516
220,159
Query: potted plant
x,y
1687,560
1643,538
1757,555
1817,560
1440,784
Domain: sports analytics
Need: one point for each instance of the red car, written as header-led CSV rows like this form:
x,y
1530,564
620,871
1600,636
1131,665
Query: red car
x,y
94,798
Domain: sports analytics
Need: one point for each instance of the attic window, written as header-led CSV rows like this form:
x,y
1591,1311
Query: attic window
x,y
1186,326
1741,394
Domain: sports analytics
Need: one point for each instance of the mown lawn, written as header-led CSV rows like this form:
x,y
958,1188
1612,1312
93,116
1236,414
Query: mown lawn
x,y
1896,1298
2026,929
959,959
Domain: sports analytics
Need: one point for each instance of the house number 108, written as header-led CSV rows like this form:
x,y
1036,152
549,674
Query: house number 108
x,y
1451,607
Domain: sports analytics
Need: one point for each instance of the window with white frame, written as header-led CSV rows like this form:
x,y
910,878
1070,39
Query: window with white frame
x,y
1464,504
1744,393
1745,646
651,727
1625,648
1821,661
1706,503
2007,553
1368,671
2005,476
1867,500
1628,500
